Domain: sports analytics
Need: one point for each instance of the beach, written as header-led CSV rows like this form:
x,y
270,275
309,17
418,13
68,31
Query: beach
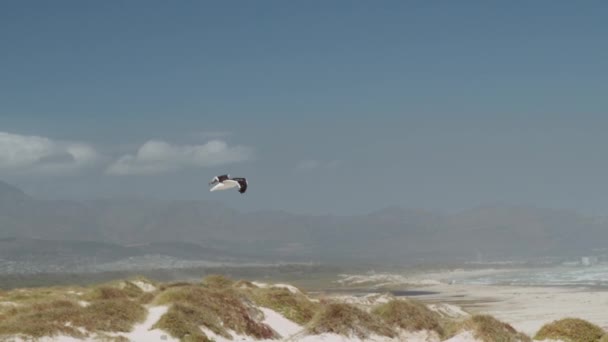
x,y
550,293
526,308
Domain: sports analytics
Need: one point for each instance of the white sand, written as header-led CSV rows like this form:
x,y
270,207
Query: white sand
x,y
279,323
527,309
142,332
448,310
9,304
291,288
366,300
146,287
466,336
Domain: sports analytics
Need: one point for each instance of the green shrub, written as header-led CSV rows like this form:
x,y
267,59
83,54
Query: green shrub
x,y
217,281
294,306
571,330
409,315
227,305
347,320
43,319
182,322
488,329
111,315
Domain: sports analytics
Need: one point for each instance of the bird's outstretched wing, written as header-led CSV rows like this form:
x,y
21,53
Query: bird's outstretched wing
x,y
242,184
219,179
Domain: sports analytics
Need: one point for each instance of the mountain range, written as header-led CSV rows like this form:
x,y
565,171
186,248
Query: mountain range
x,y
113,228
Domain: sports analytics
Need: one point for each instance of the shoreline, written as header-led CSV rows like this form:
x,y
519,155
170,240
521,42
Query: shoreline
x,y
526,308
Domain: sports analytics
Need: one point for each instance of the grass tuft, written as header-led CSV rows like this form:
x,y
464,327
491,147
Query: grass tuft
x,y
409,315
112,315
219,310
123,290
106,293
570,330
43,319
347,320
488,329
183,321
295,307
217,281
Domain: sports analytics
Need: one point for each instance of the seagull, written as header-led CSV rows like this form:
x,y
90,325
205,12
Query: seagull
x,y
225,182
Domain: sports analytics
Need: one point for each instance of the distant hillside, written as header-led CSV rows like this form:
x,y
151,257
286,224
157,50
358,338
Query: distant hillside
x,y
211,229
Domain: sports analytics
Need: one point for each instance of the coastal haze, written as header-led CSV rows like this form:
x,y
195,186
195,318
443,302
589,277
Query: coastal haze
x,y
104,234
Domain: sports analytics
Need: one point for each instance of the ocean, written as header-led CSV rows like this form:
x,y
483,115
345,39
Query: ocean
x,y
596,275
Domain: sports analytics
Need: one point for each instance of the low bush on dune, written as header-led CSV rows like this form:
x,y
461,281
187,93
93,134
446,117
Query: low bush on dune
x,y
34,295
123,290
117,290
347,320
217,281
219,310
146,298
488,329
165,286
105,292
294,306
68,317
183,321
409,315
42,319
570,330
111,315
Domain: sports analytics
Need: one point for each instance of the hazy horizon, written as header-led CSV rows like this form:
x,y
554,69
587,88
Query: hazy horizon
x,y
338,108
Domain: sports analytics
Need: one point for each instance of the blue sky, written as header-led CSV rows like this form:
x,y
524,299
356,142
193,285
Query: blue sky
x,y
327,107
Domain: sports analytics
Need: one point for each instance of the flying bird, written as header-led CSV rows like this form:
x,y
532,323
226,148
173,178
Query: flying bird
x,y
225,182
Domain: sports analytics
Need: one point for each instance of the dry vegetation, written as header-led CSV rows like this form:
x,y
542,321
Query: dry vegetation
x,y
213,304
294,306
71,311
571,330
409,315
348,320
488,329
224,307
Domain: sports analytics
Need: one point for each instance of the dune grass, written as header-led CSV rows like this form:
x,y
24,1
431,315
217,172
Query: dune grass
x,y
347,320
124,290
34,295
114,290
218,309
183,321
224,306
111,315
43,319
217,281
488,329
294,306
56,311
570,330
409,315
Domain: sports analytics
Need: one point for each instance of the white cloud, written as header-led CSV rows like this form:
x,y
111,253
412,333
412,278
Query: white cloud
x,y
35,154
310,164
157,156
